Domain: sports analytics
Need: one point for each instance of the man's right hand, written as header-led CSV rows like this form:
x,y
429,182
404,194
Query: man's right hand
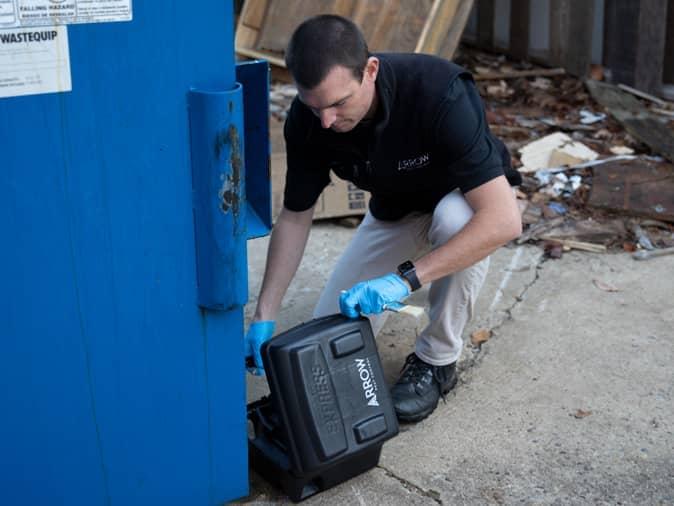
x,y
258,333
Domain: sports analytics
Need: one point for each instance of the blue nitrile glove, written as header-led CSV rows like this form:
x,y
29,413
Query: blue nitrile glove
x,y
370,297
258,334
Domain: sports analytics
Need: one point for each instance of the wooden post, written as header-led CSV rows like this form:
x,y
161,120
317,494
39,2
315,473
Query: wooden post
x,y
485,23
571,24
634,42
668,70
519,29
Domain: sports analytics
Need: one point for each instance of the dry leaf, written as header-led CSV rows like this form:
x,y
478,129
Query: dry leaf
x,y
480,336
581,413
604,286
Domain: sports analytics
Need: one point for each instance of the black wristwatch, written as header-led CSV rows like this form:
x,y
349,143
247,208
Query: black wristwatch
x,y
409,272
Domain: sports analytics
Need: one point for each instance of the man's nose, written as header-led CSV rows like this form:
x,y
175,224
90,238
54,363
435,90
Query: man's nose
x,y
328,117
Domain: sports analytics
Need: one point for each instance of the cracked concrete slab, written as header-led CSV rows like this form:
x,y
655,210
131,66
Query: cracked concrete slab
x,y
377,486
569,402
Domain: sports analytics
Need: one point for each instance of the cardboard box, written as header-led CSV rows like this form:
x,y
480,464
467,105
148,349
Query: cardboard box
x,y
340,198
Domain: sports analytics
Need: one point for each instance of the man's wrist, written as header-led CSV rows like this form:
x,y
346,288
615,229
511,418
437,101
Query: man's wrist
x,y
407,271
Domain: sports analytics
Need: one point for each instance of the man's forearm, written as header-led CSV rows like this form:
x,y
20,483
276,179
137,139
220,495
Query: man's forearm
x,y
286,247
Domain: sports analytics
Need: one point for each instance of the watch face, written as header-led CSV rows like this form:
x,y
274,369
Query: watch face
x,y
405,266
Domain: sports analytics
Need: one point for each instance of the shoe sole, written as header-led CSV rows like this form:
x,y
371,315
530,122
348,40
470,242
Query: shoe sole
x,y
420,416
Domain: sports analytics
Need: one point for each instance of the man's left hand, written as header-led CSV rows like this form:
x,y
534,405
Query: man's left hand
x,y
371,297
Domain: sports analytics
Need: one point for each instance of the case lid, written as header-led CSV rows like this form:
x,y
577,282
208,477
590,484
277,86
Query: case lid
x,y
328,387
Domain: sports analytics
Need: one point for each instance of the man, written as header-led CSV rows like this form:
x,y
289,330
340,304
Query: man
x,y
411,130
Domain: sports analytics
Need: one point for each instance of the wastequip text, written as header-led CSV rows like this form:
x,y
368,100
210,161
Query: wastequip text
x,y
16,38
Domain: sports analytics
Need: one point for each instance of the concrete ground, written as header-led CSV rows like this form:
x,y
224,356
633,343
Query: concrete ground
x,y
569,402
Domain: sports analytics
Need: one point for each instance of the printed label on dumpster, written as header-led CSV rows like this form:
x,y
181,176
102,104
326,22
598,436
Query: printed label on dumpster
x,y
34,61
22,13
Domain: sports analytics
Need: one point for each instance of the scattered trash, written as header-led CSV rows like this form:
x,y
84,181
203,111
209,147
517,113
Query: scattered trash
x,y
589,117
557,208
480,336
281,96
604,286
541,83
621,150
500,90
554,150
641,236
584,152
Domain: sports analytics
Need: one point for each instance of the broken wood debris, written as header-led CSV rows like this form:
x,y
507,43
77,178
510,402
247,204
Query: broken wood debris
x,y
514,74
579,245
636,119
642,94
648,254
635,187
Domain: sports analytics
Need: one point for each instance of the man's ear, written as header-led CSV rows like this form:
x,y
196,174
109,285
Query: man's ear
x,y
372,68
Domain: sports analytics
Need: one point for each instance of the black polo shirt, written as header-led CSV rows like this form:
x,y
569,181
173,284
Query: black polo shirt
x,y
428,137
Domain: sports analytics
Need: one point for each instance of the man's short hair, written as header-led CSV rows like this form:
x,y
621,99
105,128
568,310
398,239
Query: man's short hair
x,y
322,42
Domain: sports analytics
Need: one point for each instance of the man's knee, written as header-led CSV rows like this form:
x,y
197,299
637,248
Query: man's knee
x,y
450,215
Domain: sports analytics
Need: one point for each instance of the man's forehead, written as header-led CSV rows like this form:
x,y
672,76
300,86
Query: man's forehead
x,y
338,84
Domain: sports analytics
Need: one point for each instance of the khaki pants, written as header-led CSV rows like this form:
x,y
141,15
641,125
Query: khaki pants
x,y
378,247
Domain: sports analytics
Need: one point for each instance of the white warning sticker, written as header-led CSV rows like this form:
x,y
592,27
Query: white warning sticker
x,y
34,61
22,13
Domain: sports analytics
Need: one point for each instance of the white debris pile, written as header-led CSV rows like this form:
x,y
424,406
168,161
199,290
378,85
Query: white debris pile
x,y
280,97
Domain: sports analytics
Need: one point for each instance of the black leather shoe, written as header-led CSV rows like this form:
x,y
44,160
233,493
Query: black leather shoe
x,y
419,388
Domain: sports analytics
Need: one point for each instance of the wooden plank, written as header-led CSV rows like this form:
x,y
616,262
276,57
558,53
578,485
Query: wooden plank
x,y
391,25
651,46
578,54
250,23
643,95
433,26
571,27
559,30
485,23
437,24
634,42
668,69
260,55
634,117
455,29
365,15
253,13
284,16
620,39
519,29
421,43
635,187
513,74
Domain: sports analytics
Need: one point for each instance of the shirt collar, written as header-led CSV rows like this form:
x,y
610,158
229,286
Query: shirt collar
x,y
385,86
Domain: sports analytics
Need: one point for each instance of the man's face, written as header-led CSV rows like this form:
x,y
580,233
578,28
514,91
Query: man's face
x,y
340,101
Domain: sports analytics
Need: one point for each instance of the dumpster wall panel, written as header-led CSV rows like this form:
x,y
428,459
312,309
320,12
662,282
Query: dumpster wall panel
x,y
116,387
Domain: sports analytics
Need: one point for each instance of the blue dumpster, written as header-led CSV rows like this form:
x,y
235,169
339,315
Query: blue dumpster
x,y
126,204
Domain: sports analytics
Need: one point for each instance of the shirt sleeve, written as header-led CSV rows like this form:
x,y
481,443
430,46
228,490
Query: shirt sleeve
x,y
307,173
462,135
